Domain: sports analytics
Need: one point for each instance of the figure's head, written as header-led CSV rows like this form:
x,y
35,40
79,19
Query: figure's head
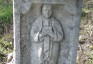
x,y
46,10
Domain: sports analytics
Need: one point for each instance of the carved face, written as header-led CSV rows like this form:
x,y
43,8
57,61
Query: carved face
x,y
47,11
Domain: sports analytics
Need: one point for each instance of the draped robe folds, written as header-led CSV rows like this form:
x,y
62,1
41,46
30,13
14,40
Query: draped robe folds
x,y
49,48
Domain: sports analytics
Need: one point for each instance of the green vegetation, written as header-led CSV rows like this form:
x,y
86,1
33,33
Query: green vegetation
x,y
6,45
5,12
85,52
6,18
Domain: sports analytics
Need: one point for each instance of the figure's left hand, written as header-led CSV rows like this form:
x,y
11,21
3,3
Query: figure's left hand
x,y
49,31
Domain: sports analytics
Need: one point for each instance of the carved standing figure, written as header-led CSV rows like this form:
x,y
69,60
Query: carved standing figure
x,y
47,32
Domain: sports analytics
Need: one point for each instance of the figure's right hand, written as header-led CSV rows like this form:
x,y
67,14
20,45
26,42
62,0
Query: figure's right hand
x,y
43,33
41,37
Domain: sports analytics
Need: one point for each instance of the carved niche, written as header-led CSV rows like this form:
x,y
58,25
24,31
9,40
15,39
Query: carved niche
x,y
46,34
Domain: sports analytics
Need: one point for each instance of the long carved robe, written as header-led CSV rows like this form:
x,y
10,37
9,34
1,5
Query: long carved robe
x,y
48,47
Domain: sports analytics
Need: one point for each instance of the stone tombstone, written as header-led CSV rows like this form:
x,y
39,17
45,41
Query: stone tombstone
x,y
46,31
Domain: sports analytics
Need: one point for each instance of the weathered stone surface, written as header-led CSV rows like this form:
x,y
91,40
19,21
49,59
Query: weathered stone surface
x,y
67,12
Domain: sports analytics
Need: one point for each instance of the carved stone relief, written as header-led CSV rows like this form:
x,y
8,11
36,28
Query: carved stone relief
x,y
47,32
